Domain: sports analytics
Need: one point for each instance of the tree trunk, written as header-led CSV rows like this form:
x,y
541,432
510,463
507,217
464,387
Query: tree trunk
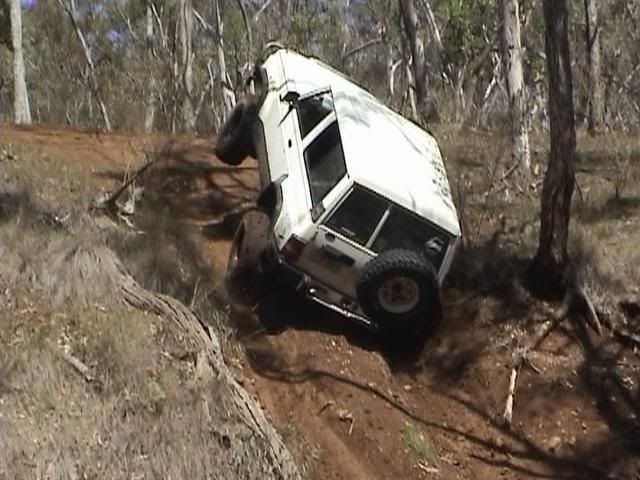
x,y
186,44
21,110
150,113
519,128
228,95
93,81
596,94
547,273
416,46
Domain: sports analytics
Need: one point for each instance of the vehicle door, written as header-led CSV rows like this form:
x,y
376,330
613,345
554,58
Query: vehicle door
x,y
332,257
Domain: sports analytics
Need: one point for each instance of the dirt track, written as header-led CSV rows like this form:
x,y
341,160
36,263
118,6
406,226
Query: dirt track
x,y
354,411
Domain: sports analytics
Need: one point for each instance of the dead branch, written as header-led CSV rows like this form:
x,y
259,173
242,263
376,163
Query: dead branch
x,y
78,366
538,336
364,46
110,202
256,17
508,409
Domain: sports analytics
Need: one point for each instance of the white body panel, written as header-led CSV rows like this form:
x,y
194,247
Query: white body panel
x,y
383,152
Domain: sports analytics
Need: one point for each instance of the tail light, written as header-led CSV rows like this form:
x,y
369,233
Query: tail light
x,y
292,250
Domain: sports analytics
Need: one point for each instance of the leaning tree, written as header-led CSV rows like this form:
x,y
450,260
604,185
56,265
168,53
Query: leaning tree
x,y
547,272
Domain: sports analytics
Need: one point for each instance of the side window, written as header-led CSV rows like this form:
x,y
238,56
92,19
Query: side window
x,y
406,231
358,216
312,110
324,160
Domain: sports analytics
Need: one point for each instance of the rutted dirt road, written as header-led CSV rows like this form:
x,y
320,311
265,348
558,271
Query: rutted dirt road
x,y
350,410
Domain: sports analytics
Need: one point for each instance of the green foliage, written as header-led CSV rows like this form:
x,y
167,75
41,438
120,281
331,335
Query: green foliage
x,y
469,25
127,74
420,443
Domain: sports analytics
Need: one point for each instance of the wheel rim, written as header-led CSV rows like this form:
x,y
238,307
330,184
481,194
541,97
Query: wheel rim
x,y
399,295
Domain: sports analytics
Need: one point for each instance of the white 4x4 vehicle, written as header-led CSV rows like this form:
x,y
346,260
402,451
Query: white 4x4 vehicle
x,y
355,211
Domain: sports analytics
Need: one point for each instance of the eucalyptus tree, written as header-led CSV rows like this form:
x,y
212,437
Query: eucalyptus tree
x,y
547,272
21,110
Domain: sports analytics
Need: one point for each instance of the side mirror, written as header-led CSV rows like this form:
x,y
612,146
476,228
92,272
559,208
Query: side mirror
x,y
291,98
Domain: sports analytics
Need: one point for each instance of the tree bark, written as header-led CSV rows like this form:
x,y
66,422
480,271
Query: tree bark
x,y
186,44
70,9
596,93
416,46
150,113
21,110
228,95
547,272
519,128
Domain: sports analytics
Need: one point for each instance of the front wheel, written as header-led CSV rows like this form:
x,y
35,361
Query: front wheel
x,y
234,142
245,279
399,291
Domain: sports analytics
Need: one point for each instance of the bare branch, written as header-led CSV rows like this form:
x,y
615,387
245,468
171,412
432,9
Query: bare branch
x,y
247,23
125,18
206,25
264,6
364,46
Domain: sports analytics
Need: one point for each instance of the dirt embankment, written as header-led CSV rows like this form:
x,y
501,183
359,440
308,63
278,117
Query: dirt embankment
x,y
348,408
101,377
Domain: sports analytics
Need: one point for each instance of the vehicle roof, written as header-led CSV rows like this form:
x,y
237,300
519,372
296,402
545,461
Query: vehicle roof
x,y
383,150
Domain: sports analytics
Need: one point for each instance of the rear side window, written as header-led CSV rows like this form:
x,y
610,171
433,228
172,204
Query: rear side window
x,y
358,216
406,231
312,110
325,164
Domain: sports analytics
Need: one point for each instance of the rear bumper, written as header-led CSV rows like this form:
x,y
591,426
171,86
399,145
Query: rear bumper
x,y
287,276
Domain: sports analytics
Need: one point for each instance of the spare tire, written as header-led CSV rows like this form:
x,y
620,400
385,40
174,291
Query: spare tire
x,y
244,279
235,142
398,290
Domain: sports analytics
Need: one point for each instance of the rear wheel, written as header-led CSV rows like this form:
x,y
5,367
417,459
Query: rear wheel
x,y
245,278
399,291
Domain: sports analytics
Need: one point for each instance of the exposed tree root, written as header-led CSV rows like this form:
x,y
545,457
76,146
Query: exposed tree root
x,y
233,215
592,316
211,361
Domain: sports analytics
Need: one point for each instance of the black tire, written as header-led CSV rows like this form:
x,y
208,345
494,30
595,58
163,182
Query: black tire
x,y
234,142
399,292
244,279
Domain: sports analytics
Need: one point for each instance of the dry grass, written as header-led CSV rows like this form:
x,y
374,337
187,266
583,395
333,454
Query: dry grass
x,y
143,417
145,414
